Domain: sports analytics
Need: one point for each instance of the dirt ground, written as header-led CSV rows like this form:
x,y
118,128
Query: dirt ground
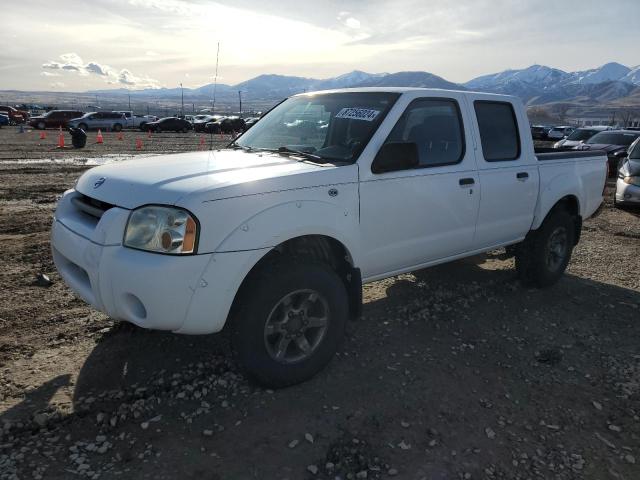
x,y
456,372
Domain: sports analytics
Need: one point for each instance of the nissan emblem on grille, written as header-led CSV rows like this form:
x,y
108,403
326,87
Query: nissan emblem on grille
x,y
99,182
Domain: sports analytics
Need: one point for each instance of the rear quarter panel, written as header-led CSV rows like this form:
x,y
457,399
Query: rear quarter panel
x,y
582,177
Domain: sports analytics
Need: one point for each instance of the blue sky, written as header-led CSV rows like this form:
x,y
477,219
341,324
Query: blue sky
x,y
79,45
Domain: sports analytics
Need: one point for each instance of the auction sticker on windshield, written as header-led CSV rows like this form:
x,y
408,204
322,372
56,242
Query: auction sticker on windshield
x,y
358,114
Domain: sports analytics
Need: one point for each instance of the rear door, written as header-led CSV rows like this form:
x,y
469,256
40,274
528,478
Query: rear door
x,y
417,216
508,172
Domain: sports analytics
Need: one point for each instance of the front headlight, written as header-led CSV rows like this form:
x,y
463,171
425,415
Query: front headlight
x,y
161,230
632,181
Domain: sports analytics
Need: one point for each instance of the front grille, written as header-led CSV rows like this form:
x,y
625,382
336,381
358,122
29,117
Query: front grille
x,y
90,206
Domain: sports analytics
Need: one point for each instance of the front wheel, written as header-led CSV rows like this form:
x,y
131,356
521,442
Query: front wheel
x,y
543,256
41,125
117,127
289,322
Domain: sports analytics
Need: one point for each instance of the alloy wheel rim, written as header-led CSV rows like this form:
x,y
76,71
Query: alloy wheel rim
x,y
296,326
557,248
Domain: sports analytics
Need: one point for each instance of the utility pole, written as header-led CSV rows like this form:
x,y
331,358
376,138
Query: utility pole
x,y
215,82
182,97
240,98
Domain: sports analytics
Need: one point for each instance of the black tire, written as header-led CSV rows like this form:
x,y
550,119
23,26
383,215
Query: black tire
x,y
157,130
143,126
42,125
83,126
117,127
543,256
184,130
263,294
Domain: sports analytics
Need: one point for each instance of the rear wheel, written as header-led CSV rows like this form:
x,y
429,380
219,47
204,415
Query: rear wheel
x,y
289,323
543,256
117,127
41,125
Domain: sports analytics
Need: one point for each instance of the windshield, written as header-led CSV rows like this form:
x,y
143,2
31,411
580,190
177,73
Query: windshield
x,y
609,138
582,134
331,126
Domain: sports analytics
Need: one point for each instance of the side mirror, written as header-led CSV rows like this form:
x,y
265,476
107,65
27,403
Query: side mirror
x,y
620,154
395,156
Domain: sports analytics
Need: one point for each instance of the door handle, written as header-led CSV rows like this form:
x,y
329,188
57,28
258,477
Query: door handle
x,y
522,176
466,181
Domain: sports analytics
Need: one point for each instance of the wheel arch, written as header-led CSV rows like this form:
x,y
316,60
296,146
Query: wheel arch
x,y
313,247
569,203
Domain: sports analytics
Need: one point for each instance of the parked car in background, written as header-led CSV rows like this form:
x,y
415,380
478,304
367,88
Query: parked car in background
x,y
4,120
614,143
16,116
169,124
214,125
200,122
274,237
99,120
628,182
556,133
226,125
54,119
539,132
578,136
250,122
136,121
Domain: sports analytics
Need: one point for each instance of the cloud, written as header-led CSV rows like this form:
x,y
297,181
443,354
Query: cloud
x,y
348,21
72,62
57,85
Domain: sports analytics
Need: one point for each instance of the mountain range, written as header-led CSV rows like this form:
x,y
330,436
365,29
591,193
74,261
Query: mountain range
x,y
535,85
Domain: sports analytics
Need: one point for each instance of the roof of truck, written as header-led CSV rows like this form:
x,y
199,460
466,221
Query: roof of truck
x,y
400,90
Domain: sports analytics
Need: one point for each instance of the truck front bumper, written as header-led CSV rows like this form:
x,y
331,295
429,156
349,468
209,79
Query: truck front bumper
x,y
189,294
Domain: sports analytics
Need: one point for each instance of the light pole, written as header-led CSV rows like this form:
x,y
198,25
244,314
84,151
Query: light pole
x,y
240,99
182,97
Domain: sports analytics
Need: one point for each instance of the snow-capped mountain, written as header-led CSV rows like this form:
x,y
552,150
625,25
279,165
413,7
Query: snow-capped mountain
x,y
633,76
541,84
606,73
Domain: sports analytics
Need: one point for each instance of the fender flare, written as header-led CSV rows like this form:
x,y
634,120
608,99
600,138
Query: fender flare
x,y
560,187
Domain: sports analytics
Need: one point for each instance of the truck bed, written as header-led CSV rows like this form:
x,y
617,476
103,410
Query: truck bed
x,y
543,154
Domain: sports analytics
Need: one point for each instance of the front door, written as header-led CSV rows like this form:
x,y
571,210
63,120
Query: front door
x,y
420,215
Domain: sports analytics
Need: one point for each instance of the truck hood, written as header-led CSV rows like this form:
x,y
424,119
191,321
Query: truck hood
x,y
185,178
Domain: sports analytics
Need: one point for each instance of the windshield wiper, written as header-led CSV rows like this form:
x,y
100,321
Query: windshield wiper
x,y
307,155
237,146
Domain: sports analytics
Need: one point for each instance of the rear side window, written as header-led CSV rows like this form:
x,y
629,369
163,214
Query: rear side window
x,y
498,131
435,126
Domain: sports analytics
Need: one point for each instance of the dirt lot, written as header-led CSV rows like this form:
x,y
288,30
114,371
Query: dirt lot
x,y
457,372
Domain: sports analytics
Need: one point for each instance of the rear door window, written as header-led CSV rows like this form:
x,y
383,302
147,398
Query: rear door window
x,y
498,130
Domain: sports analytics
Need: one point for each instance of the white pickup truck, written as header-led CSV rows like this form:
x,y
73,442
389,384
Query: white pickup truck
x,y
137,121
273,237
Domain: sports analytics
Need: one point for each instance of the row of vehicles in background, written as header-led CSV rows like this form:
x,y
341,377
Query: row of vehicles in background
x,y
121,119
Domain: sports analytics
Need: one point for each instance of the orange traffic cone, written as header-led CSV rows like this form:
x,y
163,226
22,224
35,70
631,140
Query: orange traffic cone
x,y
99,138
148,133
43,135
120,136
202,142
138,144
60,139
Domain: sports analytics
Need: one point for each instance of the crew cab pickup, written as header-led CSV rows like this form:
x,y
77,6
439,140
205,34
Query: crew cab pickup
x,y
273,237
